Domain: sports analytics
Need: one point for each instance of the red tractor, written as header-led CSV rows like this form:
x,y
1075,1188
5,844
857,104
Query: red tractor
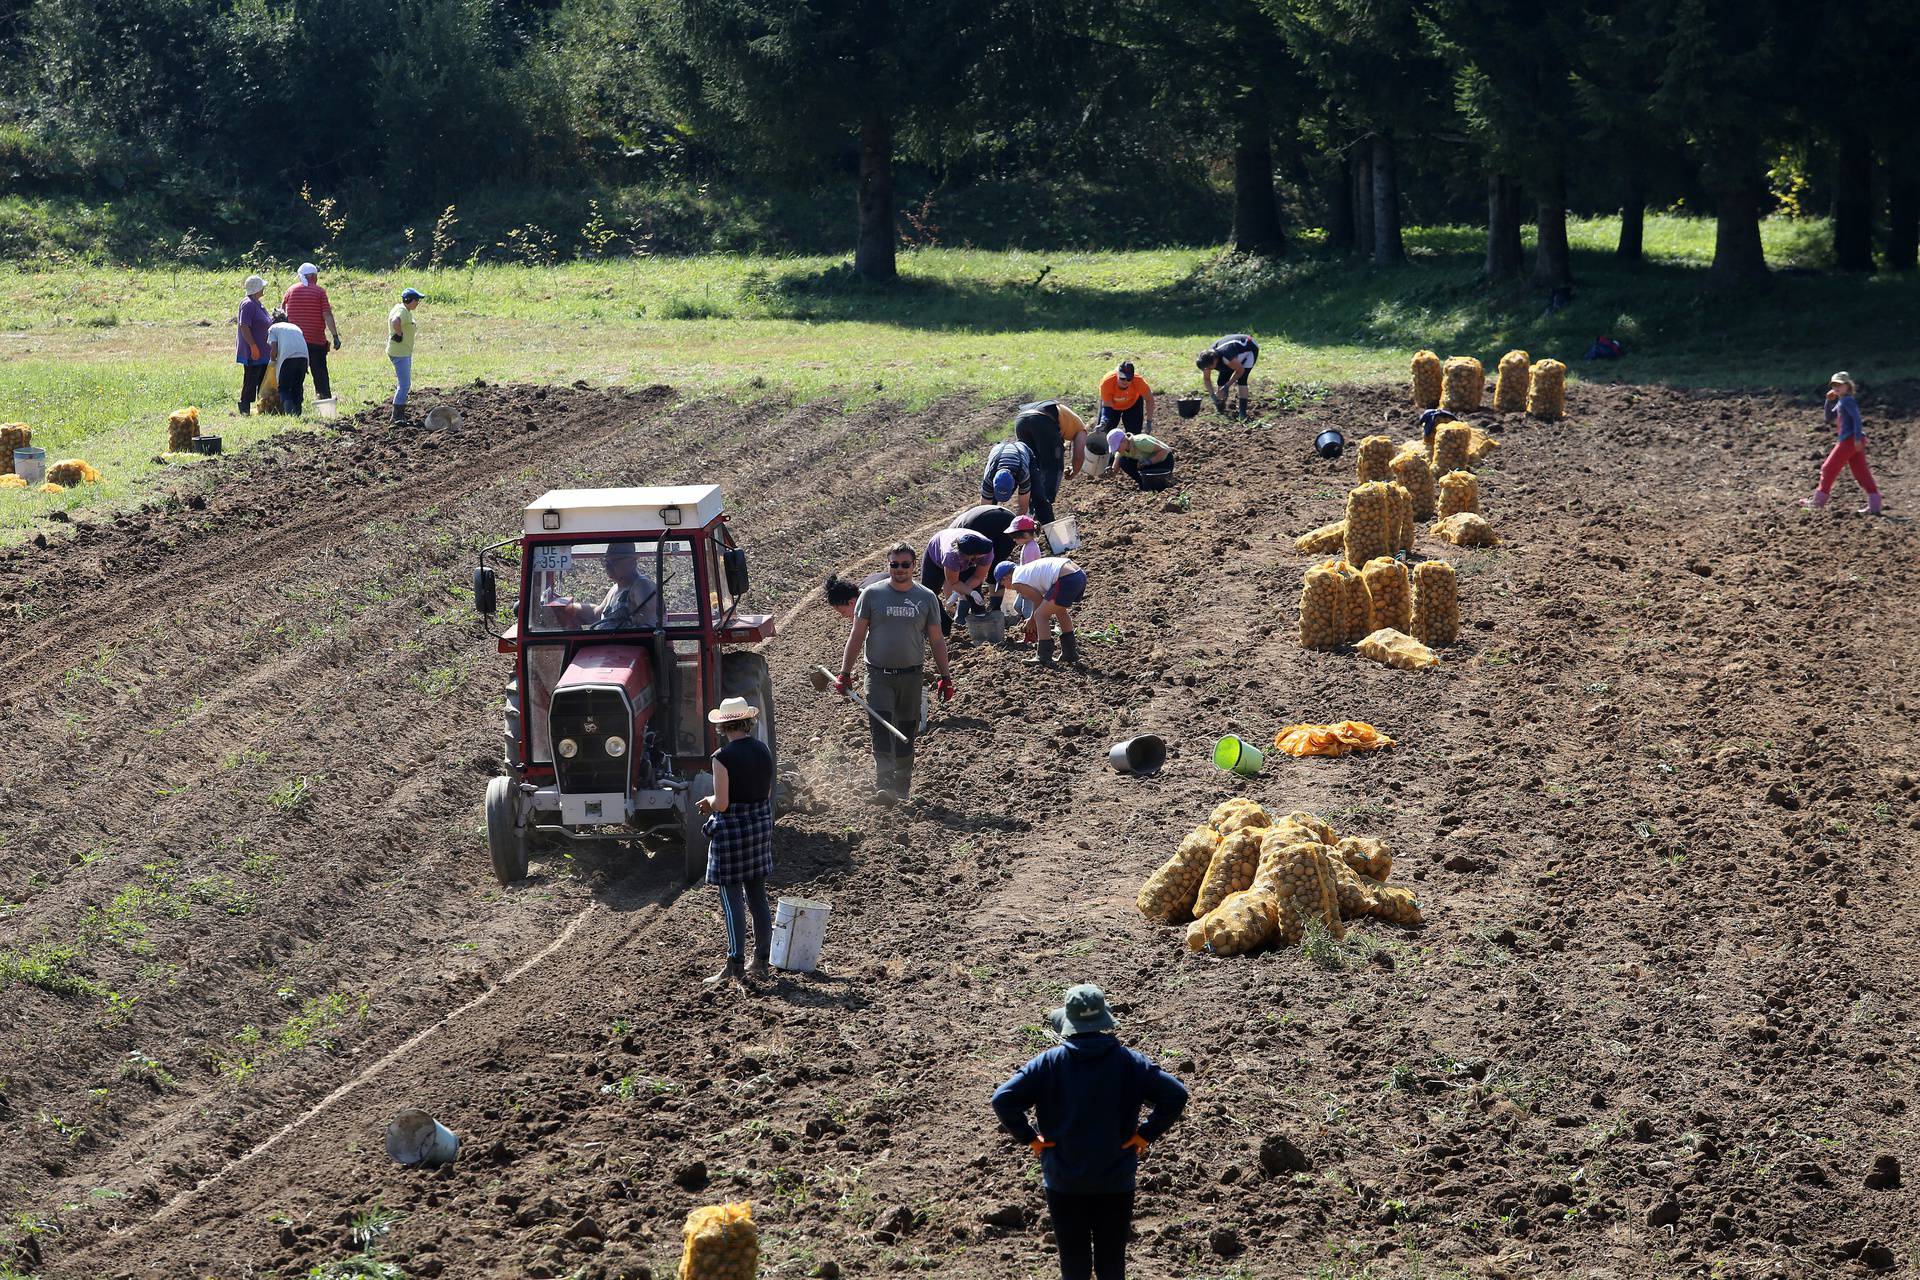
x,y
627,631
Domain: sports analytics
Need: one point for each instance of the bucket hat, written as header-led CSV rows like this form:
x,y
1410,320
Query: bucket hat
x,y
254,285
1085,1010
731,710
1842,376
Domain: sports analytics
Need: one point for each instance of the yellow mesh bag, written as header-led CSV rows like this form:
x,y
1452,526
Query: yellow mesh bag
x,y
1547,391
14,435
1299,877
1367,856
1459,491
1231,869
1400,503
72,471
1233,814
1510,383
1389,592
182,426
1464,385
1371,459
721,1244
11,481
1452,442
1479,444
1329,537
1436,603
1464,529
1321,829
1397,649
1370,528
51,487
1340,739
1244,922
1334,609
1426,380
1411,472
1395,902
1168,894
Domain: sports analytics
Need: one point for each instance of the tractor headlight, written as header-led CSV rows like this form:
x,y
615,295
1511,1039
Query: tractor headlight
x,y
616,747
569,748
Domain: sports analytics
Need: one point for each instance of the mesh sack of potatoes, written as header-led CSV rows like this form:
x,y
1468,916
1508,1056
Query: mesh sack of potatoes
x,y
14,435
1452,442
1397,649
1233,814
1459,491
1370,530
1356,610
182,426
1436,603
1464,529
11,481
73,471
1404,525
1230,870
1411,472
1368,856
1389,592
1547,391
1426,380
1299,877
1393,902
1323,595
1510,383
1244,922
1354,897
268,401
1371,459
1328,537
721,1244
1168,894
1317,829
1464,385
1479,444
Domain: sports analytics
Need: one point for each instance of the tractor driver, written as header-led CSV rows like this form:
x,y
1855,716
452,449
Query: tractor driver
x,y
630,603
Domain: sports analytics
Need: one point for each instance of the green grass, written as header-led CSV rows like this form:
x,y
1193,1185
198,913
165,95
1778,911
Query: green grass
x,y
94,357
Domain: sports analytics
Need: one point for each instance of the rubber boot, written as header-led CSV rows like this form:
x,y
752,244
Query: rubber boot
x,y
761,968
1873,505
735,971
1070,646
1817,501
243,408
1043,657
399,413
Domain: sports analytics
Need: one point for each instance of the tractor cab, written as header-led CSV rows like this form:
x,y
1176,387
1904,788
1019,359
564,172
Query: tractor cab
x,y
626,630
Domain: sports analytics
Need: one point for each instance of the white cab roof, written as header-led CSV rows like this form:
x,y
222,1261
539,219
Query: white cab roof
x,y
625,510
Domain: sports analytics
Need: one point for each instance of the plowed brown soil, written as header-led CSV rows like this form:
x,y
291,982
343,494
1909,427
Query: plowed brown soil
x,y
1659,804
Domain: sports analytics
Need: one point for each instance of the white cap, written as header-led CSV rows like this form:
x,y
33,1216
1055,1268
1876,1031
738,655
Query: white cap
x,y
255,285
308,270
1841,377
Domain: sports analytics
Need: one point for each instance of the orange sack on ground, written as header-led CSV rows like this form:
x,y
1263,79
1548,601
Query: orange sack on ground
x,y
1330,739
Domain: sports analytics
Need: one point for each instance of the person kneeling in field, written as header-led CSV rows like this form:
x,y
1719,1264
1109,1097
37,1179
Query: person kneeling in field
x,y
1047,588
1147,459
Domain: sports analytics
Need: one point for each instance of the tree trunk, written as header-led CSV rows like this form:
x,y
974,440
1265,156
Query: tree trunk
x,y
1737,255
1903,212
1504,254
1340,217
1256,214
1853,203
1362,162
1633,220
873,258
1552,259
1387,245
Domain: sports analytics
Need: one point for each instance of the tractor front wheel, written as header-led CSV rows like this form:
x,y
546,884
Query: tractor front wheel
x,y
506,837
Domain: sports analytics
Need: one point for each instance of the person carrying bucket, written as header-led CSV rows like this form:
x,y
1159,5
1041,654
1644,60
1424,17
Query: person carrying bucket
x,y
1045,427
893,624
1047,588
1085,1095
740,836
1148,460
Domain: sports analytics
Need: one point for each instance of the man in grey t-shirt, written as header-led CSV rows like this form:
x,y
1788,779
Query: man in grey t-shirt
x,y
893,622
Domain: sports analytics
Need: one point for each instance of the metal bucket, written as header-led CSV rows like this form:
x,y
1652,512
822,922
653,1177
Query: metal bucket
x,y
1063,535
30,464
1144,754
799,932
415,1137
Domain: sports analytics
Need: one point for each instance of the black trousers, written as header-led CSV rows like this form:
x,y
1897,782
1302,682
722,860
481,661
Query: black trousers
x,y
317,366
250,380
293,380
1092,1231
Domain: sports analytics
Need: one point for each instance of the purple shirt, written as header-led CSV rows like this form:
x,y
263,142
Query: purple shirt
x,y
959,549
253,320
1844,416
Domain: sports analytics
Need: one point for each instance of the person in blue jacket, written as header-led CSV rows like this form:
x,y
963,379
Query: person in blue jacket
x,y
1085,1095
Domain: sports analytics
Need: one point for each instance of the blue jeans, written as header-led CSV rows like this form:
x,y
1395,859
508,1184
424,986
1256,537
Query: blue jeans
x,y
735,901
403,373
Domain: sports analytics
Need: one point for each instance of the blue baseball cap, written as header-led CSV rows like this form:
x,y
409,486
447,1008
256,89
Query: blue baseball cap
x,y
1004,483
1003,571
411,295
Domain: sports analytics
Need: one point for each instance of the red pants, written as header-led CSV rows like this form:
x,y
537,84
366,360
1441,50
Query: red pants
x,y
1850,453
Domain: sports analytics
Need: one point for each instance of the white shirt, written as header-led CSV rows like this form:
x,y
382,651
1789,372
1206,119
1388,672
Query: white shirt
x,y
293,344
1041,574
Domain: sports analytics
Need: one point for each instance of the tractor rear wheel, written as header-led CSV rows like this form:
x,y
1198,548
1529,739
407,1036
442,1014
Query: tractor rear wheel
x,y
506,838
694,829
745,675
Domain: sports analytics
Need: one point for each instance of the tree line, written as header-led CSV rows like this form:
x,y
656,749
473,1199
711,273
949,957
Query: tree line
x,y
1340,114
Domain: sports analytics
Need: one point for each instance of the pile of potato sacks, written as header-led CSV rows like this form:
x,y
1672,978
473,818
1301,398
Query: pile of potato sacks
x,y
1246,881
721,1242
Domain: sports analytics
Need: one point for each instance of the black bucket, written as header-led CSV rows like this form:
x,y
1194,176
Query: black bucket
x,y
1330,443
1189,406
1144,754
208,445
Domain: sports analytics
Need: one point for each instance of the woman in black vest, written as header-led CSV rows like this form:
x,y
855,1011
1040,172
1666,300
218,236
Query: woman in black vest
x,y
740,836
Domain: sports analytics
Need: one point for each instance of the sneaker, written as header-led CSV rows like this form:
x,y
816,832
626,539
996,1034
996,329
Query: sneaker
x,y
1873,505
1817,501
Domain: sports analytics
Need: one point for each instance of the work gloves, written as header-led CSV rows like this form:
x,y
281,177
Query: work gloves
x,y
336,342
945,689
840,683
1136,1144
1038,1145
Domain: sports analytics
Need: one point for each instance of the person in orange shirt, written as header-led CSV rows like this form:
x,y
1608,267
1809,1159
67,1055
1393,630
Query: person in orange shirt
x,y
1125,401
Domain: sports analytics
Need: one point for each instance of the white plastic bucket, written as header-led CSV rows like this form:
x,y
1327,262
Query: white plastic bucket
x,y
329,407
799,931
30,464
1063,535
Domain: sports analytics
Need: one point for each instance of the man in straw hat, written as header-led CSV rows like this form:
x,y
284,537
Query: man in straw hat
x,y
740,835
893,623
1086,1094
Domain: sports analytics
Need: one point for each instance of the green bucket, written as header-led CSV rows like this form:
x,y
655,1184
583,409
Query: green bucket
x,y
1235,756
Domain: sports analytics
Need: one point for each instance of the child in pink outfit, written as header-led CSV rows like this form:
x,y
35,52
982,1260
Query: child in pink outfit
x,y
1849,450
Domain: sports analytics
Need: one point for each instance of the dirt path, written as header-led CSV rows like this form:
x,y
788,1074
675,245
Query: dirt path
x,y
1659,805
